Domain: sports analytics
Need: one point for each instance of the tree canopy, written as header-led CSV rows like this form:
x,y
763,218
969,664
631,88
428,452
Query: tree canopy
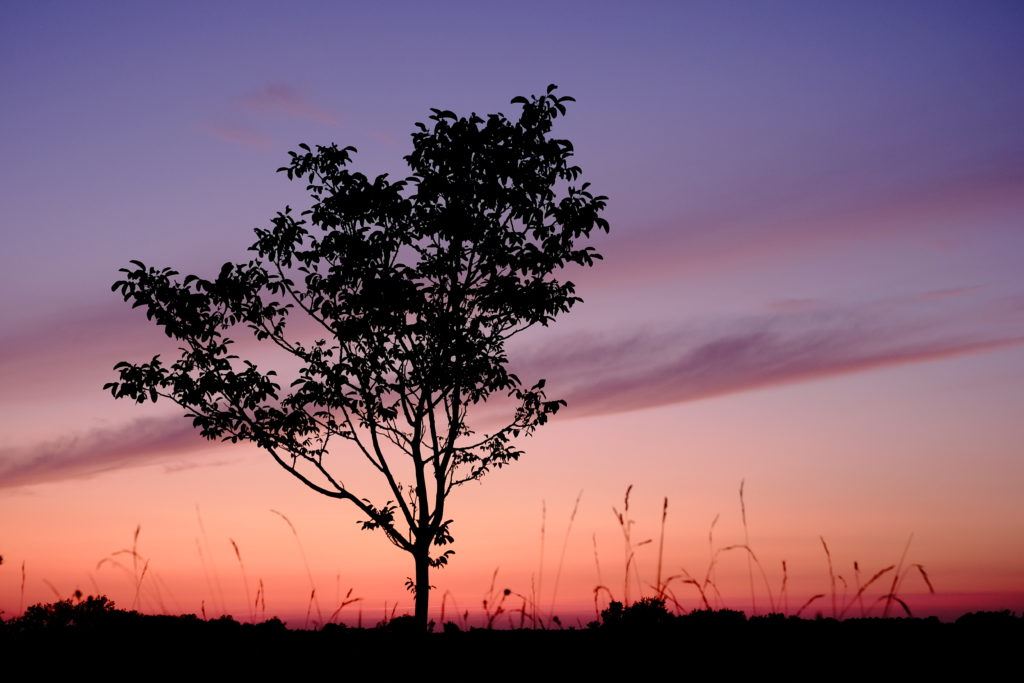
x,y
397,299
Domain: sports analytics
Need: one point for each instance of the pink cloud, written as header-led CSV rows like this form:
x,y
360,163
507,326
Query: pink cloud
x,y
64,330
601,374
790,228
794,305
274,98
72,345
756,360
285,99
604,378
679,363
949,293
140,443
238,134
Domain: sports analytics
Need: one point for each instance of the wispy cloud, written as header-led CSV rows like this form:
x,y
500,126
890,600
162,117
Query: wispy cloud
x,y
794,305
65,330
949,293
612,373
139,443
756,360
679,363
64,351
789,228
281,98
238,134
237,121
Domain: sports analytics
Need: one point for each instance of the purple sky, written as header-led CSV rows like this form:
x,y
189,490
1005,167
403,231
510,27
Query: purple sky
x,y
798,191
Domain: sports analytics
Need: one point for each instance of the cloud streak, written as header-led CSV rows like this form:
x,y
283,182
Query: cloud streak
x,y
140,443
238,134
787,228
802,342
756,360
235,124
614,374
280,98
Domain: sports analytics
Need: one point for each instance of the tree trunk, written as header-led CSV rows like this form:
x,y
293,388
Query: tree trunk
x,y
422,586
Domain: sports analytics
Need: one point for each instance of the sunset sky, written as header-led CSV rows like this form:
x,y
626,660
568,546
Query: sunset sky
x,y
812,284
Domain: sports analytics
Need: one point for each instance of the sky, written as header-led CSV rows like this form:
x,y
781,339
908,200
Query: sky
x,y
812,285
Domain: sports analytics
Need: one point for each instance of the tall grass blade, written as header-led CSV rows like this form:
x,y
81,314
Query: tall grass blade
x,y
831,576
219,594
565,545
859,597
712,555
305,563
896,577
350,600
783,595
807,604
659,589
245,578
53,588
746,540
924,575
536,589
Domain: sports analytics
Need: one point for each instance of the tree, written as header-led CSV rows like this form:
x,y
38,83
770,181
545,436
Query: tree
x,y
411,289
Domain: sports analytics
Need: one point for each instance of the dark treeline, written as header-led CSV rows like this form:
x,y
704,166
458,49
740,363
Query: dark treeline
x,y
641,637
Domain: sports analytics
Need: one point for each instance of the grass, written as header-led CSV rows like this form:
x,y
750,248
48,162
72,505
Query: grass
x,y
503,606
710,597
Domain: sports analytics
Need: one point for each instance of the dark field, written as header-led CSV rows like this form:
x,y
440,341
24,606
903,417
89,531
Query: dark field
x,y
643,639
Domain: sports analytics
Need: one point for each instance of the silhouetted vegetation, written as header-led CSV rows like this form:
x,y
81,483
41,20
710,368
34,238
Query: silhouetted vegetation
x,y
93,614
642,637
407,292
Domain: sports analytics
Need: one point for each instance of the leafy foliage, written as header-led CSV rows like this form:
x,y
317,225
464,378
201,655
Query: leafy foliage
x,y
412,288
646,613
90,612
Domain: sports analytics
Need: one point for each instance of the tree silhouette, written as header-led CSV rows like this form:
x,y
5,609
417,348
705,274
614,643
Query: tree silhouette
x,y
407,292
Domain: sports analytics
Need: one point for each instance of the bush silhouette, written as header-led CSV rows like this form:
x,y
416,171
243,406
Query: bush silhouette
x,y
644,614
91,613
